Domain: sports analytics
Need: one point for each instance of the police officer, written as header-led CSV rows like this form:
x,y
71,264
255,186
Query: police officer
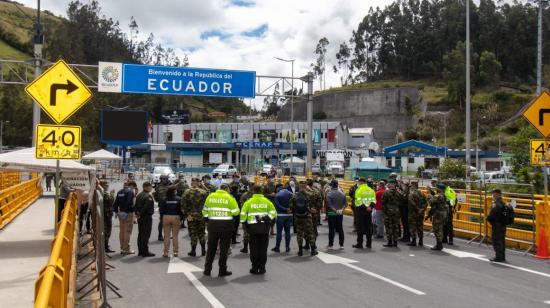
x,y
257,216
302,208
417,207
391,200
145,208
160,195
192,204
438,214
450,197
365,198
219,209
498,230
125,203
108,200
244,197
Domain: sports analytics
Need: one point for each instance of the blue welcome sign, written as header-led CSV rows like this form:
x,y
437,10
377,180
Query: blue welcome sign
x,y
165,80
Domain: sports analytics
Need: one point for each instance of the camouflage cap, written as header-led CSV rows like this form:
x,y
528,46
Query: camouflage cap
x,y
195,180
207,176
441,185
414,183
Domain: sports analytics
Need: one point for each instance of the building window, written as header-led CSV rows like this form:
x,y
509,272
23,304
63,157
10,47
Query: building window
x,y
331,135
411,160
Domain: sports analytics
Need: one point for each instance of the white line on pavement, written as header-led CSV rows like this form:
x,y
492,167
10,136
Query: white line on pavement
x,y
547,302
516,267
179,266
333,259
395,283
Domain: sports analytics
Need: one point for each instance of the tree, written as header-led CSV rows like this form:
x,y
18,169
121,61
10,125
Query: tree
x,y
319,65
519,148
343,58
489,69
451,169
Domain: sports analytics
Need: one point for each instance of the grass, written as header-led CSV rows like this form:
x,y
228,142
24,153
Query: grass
x,y
8,52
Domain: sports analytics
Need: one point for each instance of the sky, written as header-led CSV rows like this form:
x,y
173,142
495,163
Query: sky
x,y
241,34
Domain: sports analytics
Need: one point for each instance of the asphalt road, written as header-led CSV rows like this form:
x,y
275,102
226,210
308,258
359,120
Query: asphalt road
x,y
380,277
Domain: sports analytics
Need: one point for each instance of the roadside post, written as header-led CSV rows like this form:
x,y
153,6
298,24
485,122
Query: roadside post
x,y
60,93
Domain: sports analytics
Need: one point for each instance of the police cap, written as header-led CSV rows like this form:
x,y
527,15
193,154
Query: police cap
x,y
496,191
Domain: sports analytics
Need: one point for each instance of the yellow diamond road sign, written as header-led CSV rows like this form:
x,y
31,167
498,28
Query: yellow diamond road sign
x,y
538,113
59,91
540,155
58,142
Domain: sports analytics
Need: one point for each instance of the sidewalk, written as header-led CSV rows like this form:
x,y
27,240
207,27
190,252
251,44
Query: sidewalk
x,y
24,250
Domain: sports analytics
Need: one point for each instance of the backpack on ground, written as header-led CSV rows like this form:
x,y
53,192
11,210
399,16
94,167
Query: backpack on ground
x,y
508,214
300,206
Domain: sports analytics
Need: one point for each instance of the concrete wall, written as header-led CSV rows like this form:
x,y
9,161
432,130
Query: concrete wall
x,y
385,110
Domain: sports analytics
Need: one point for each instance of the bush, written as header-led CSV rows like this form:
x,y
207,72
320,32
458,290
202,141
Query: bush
x,y
451,169
419,171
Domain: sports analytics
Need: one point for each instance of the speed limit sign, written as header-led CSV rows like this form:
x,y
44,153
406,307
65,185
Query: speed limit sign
x,y
58,142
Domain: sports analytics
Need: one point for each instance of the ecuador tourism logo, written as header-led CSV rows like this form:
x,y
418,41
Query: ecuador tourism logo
x,y
110,77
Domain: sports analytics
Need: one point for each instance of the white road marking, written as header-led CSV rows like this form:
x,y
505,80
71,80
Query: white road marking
x,y
332,259
179,266
411,255
465,254
547,302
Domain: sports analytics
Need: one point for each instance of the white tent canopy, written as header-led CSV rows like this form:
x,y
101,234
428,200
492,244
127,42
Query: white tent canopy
x,y
24,160
101,155
295,160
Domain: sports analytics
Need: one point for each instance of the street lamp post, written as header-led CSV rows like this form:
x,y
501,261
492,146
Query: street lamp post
x,y
2,122
291,111
468,157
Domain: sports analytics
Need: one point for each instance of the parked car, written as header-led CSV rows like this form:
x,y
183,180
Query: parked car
x,y
270,169
162,170
316,168
335,168
225,170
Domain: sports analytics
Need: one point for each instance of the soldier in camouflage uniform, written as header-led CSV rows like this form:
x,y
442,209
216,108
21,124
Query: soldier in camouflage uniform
x,y
391,200
206,185
108,200
269,190
235,191
160,194
246,237
144,210
438,213
304,222
181,187
417,208
317,203
192,204
403,189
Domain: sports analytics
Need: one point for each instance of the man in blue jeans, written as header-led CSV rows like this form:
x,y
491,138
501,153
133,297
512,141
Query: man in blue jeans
x,y
284,217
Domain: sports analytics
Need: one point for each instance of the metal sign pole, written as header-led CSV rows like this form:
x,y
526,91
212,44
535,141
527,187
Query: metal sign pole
x,y
57,188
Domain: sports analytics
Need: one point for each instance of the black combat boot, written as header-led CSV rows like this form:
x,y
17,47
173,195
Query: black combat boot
x,y
314,250
412,243
420,242
245,248
203,248
389,244
394,243
369,242
438,246
192,253
224,272
306,246
300,251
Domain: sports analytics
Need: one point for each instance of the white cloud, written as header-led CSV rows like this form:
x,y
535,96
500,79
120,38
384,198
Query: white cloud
x,y
293,29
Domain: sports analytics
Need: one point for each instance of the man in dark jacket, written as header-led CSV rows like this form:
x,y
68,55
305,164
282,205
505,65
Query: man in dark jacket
x,y
336,203
144,209
124,210
284,217
498,232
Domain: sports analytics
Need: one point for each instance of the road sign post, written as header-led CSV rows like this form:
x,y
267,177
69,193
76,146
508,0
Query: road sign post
x,y
60,93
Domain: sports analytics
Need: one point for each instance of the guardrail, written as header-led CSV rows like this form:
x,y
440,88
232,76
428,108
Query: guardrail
x,y
15,199
8,179
52,287
472,209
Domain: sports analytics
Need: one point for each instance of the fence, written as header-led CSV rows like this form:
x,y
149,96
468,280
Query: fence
x,y
15,199
474,205
8,179
56,282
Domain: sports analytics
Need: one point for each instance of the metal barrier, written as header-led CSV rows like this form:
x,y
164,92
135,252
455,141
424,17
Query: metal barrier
x,y
52,286
15,199
9,179
474,204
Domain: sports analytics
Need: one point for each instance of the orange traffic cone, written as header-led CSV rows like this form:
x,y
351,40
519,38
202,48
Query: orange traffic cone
x,y
542,250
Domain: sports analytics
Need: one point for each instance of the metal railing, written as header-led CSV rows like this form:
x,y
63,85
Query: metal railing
x,y
16,198
8,179
52,286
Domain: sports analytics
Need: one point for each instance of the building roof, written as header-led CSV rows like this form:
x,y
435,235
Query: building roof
x,y
417,144
361,131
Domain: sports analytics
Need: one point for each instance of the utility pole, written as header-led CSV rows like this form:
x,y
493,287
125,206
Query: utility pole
x,y
309,123
468,158
38,42
539,50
